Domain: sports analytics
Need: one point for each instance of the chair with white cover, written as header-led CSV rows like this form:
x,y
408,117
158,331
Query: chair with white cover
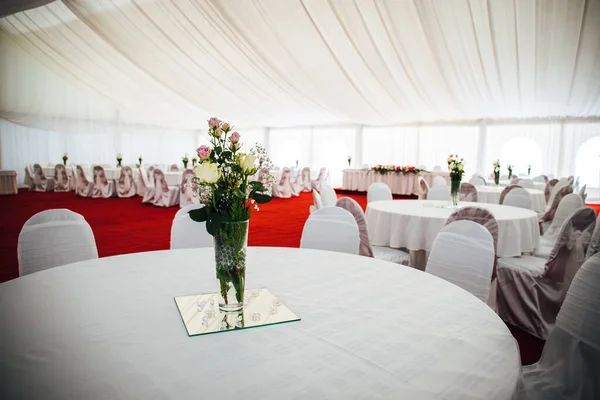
x,y
437,168
594,246
62,180
515,180
531,289
570,361
187,233
518,197
126,183
505,191
73,181
54,237
284,188
439,193
480,216
262,174
331,228
548,189
526,183
318,202
173,168
439,181
468,192
84,185
423,188
566,206
103,188
28,177
378,191
328,195
144,186
303,182
559,185
463,254
541,178
188,189
366,249
163,195
323,177
40,182
582,192
478,180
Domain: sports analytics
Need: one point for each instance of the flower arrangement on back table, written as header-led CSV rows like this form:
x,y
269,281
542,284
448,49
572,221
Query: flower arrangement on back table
x,y
510,171
229,195
384,169
140,160
65,157
497,172
185,160
457,168
119,159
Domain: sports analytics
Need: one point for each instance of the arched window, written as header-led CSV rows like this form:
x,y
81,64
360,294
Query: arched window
x,y
587,162
521,152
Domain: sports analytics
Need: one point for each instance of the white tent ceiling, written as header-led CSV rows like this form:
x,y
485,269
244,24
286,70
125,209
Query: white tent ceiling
x,y
308,62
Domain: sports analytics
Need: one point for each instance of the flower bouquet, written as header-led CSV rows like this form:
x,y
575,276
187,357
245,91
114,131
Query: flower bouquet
x,y
119,159
65,157
384,169
456,168
510,171
185,160
529,170
349,161
497,172
224,186
140,160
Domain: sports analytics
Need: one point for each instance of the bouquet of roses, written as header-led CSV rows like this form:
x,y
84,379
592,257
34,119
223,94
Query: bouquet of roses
x,y
497,172
65,157
119,159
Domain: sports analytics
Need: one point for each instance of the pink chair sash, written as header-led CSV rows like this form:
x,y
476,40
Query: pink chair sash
x,y
548,189
549,215
189,189
424,186
356,210
61,178
506,190
468,192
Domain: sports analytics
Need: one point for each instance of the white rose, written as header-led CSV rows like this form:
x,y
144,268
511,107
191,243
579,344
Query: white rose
x,y
207,172
247,162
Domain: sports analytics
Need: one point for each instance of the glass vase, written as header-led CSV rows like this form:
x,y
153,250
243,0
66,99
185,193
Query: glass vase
x,y
455,189
230,242
497,178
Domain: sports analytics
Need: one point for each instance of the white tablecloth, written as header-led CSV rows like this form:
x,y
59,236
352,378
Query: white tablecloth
x,y
491,194
504,182
360,179
109,328
414,224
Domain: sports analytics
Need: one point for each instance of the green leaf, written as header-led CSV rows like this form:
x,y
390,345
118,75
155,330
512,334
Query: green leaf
x,y
213,223
257,185
218,150
226,154
238,193
199,215
262,198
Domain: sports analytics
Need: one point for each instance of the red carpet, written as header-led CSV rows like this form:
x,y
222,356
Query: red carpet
x,y
127,226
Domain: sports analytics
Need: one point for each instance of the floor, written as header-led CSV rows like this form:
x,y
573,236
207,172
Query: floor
x,y
123,226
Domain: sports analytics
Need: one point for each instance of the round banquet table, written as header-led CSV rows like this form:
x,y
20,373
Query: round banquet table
x,y
109,328
414,224
505,182
491,194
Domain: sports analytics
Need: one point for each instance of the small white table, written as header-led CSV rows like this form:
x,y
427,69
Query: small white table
x,y
414,224
370,329
491,194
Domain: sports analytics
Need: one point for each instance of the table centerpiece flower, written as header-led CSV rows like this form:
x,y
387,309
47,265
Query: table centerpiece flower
x,y
510,171
529,170
119,160
349,161
497,172
65,157
456,168
223,183
185,160
140,160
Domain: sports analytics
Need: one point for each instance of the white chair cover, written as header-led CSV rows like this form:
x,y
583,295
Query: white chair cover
x,y
547,217
541,178
506,191
103,188
328,195
437,168
284,189
173,167
318,202
262,174
439,193
62,180
531,289
331,228
559,185
518,197
478,180
323,177
145,187
40,182
570,364
28,177
54,237
378,191
164,195
463,254
303,183
594,246
468,192
582,192
527,183
187,233
566,207
187,194
423,188
548,189
439,181
126,183
84,185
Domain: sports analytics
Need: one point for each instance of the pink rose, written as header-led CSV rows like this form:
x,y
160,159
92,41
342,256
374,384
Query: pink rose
x,y
226,127
219,132
203,152
235,145
235,137
214,122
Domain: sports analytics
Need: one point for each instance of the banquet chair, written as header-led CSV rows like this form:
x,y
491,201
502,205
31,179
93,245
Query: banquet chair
x,y
397,256
437,168
28,180
468,192
505,191
531,289
328,195
547,219
526,183
84,185
582,192
187,233
423,188
548,189
163,195
54,237
173,168
323,177
188,193
570,361
126,183
40,182
303,183
478,215
559,185
478,180
576,184
261,175
541,178
73,180
378,191
463,254
318,202
594,246
284,188
515,180
439,193
144,187
570,180
103,188
518,197
62,180
439,181
331,228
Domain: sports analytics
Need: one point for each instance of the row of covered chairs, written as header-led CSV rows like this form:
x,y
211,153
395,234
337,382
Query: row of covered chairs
x,y
288,186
